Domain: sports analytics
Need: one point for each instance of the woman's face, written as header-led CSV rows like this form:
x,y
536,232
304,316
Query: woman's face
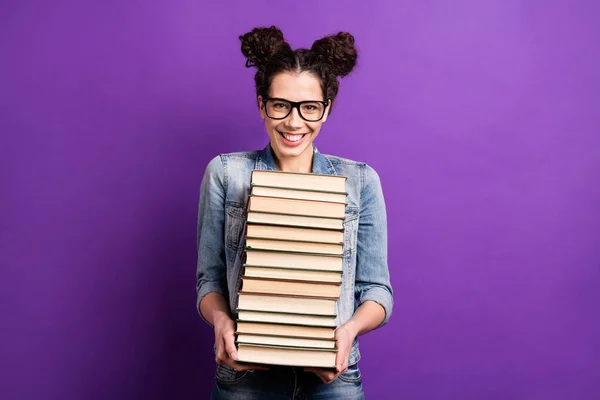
x,y
293,136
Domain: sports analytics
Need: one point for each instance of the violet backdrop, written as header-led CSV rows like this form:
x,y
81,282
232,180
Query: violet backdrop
x,y
481,117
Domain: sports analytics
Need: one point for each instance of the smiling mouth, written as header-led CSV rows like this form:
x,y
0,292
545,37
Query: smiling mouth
x,y
292,137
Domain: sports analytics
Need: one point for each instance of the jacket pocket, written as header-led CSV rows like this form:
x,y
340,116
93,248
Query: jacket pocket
x,y
235,223
350,230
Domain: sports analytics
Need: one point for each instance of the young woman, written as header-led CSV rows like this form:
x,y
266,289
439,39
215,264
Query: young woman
x,y
295,91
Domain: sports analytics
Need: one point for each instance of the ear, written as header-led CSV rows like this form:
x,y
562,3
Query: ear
x,y
327,111
261,107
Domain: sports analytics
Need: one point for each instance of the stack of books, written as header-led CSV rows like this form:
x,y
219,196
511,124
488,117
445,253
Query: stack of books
x,y
293,269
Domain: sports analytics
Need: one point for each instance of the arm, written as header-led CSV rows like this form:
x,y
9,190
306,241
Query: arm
x,y
213,308
367,317
373,290
211,280
211,267
372,286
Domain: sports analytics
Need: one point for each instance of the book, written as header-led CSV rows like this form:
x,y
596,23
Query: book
x,y
287,193
297,207
285,341
294,288
310,332
294,234
320,262
292,269
290,274
300,247
284,318
286,304
301,357
267,218
299,181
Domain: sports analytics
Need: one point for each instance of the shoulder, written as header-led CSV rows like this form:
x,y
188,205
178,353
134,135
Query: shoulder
x,y
359,172
240,155
223,162
236,157
232,171
239,164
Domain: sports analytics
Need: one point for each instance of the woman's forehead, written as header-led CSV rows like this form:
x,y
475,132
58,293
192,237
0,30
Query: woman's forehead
x,y
296,86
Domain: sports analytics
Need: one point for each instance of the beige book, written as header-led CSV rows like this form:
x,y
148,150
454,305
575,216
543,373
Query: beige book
x,y
284,318
297,207
330,197
294,260
292,180
300,357
292,288
260,328
294,234
295,220
292,274
287,304
285,341
287,245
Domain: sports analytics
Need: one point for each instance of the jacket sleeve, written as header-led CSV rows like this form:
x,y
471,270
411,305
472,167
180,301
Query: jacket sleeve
x,y
372,273
211,267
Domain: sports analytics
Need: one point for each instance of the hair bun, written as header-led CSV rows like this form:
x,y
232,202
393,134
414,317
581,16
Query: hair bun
x,y
338,52
261,44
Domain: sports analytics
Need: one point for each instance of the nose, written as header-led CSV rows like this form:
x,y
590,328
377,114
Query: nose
x,y
294,120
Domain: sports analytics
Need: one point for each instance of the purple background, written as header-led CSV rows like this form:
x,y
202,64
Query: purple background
x,y
482,118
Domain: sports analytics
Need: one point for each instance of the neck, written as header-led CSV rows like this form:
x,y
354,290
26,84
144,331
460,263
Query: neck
x,y
302,163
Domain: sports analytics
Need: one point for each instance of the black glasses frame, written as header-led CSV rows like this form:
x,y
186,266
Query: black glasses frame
x,y
296,105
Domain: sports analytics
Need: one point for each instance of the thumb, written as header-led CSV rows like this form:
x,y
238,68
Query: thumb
x,y
230,346
339,360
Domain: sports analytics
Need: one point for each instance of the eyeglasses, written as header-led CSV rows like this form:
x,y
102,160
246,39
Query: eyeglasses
x,y
309,110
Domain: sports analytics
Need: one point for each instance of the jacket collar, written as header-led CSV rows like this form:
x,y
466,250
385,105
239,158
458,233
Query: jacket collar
x,y
320,165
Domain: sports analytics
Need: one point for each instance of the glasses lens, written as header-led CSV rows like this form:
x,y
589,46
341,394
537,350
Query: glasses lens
x,y
312,111
278,108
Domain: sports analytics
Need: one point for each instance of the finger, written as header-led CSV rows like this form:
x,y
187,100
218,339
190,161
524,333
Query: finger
x,y
322,376
328,377
220,353
341,360
238,366
342,365
315,370
230,349
246,366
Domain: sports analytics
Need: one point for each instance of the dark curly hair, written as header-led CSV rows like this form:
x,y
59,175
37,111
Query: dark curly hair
x,y
328,58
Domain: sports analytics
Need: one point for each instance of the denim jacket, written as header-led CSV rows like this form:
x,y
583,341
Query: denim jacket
x,y
224,193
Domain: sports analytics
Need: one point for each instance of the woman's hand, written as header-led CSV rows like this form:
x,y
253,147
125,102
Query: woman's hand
x,y
344,339
226,352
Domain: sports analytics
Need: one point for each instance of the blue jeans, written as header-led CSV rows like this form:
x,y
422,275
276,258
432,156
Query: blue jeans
x,y
285,383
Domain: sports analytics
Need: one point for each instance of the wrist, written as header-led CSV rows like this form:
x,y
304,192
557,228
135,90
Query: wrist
x,y
219,317
351,327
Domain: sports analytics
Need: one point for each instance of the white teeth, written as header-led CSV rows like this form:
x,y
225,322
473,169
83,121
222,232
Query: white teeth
x,y
292,138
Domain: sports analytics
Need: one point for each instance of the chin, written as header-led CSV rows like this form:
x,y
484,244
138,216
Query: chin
x,y
291,153
285,151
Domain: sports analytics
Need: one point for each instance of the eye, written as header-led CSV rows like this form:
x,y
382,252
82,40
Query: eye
x,y
312,107
281,106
